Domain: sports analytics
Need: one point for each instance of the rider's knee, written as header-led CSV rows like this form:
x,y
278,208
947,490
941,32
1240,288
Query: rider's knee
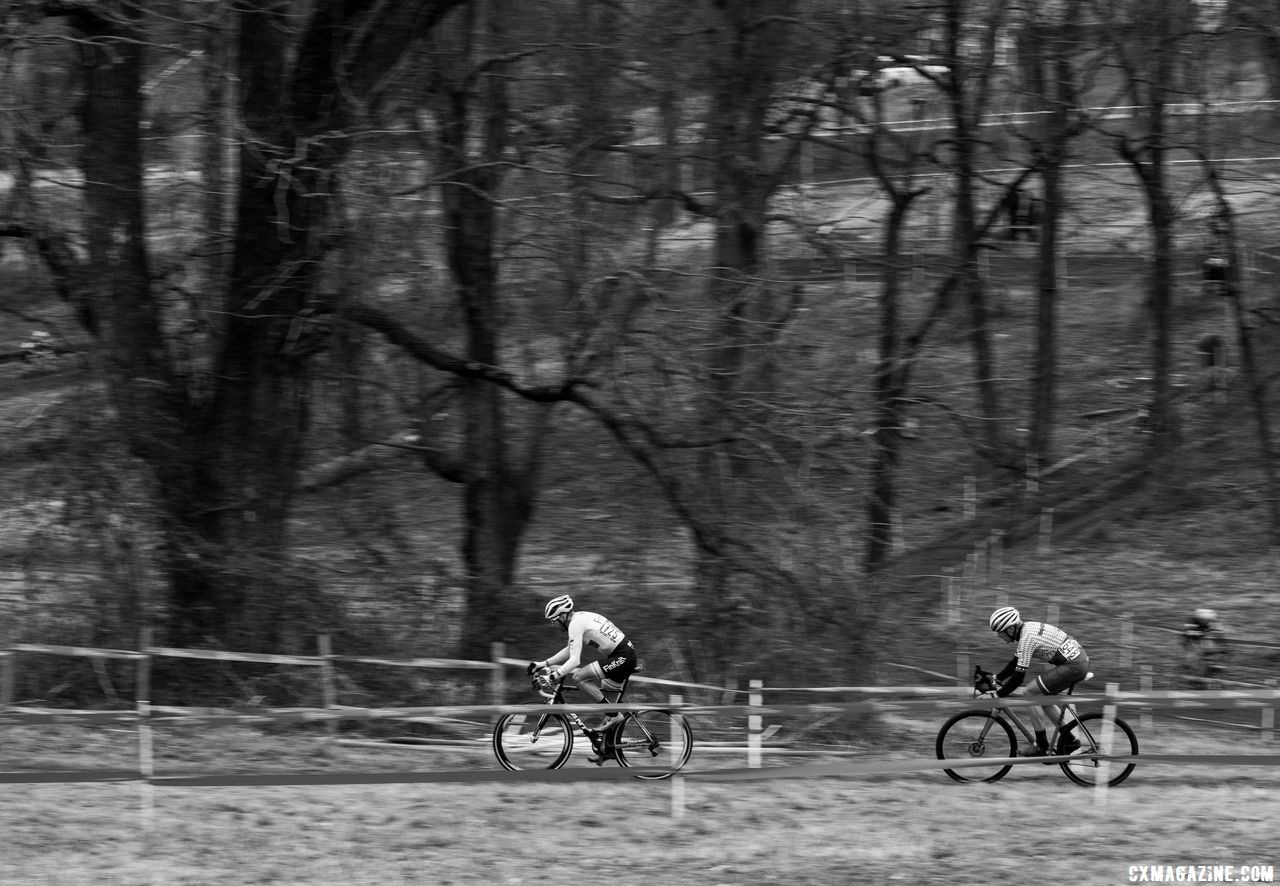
x,y
588,682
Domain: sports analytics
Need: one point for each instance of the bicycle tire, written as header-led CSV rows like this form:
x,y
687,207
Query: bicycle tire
x,y
974,734
643,736
1082,769
532,741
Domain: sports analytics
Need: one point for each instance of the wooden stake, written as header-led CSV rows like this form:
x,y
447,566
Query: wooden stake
x,y
328,696
755,726
146,749
677,780
1103,774
1045,544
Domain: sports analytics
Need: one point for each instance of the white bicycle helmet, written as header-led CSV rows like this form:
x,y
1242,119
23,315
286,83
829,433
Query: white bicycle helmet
x,y
1006,618
557,607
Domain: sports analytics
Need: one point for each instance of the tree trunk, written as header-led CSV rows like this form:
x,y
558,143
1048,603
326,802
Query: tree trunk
x,y
745,66
499,481
122,307
226,466
967,96
889,386
1055,86
1255,383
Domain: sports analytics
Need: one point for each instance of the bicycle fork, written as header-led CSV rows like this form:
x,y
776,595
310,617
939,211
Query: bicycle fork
x,y
979,744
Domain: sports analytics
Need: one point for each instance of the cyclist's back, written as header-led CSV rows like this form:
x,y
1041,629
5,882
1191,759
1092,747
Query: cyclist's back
x,y
1045,642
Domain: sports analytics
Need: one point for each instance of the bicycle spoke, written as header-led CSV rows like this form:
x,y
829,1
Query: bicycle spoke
x,y
524,742
1084,766
654,739
972,736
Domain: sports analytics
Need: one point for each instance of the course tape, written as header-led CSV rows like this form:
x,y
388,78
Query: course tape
x,y
811,770
218,655
77,651
165,715
444,663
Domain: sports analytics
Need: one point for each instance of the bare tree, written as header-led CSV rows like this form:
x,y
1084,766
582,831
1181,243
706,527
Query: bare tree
x,y
1050,50
225,459
1145,40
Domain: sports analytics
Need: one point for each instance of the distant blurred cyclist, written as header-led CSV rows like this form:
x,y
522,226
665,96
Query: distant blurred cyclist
x,y
1204,647
1036,640
602,680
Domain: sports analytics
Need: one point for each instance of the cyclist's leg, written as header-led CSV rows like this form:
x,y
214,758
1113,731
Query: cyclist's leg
x,y
1039,720
607,676
588,678
616,668
1053,681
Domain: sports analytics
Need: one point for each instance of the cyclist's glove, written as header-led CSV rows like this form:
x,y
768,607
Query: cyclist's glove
x,y
533,666
547,681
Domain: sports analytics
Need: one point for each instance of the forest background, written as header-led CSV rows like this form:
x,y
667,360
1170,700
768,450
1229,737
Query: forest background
x,y
739,321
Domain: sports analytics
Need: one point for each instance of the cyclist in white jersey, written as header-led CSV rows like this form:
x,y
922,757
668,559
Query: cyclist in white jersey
x,y
1068,664
597,678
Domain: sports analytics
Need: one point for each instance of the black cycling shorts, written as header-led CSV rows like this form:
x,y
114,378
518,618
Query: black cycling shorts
x,y
1063,676
621,663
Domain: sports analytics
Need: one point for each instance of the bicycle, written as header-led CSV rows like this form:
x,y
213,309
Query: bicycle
x,y
640,738
980,733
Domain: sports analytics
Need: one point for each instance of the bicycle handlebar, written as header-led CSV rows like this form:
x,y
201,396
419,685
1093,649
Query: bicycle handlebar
x,y
983,681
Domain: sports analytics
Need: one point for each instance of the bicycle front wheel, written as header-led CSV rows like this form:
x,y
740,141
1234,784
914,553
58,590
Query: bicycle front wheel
x,y
1083,739
532,741
658,739
972,735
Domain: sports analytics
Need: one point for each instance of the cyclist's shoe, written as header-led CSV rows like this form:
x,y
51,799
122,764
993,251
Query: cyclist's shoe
x,y
596,759
1068,745
1034,751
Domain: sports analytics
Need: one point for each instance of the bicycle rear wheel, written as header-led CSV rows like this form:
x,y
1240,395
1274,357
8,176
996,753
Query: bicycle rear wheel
x,y
971,735
1082,768
532,741
658,739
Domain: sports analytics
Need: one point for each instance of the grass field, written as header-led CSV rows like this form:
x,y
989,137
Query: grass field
x,y
1033,827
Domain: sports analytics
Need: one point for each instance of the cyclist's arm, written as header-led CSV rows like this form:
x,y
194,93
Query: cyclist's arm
x,y
1010,677
555,659
1011,683
1007,671
567,660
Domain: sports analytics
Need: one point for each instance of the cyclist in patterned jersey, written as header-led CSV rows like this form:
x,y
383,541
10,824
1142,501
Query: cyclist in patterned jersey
x,y
1036,640
598,678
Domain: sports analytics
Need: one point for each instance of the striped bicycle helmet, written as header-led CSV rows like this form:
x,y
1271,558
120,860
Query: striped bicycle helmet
x,y
557,607
1006,618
